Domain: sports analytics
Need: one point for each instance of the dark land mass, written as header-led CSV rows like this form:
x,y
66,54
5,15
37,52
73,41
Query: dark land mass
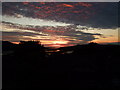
x,y
31,65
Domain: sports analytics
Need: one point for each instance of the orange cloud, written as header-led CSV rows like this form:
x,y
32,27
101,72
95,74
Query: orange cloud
x,y
85,4
53,31
25,3
68,5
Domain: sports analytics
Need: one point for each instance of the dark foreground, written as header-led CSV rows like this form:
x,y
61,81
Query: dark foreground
x,y
82,66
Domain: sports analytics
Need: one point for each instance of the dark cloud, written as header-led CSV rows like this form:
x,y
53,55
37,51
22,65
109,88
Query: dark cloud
x,y
90,33
69,33
14,36
95,14
20,34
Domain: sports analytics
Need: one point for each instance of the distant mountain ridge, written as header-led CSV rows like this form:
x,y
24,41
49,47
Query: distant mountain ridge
x,y
115,43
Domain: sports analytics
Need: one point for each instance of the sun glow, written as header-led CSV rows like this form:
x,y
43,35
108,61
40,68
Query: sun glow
x,y
60,42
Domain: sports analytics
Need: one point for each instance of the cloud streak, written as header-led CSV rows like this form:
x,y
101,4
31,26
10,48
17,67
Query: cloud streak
x,y
59,24
47,34
101,15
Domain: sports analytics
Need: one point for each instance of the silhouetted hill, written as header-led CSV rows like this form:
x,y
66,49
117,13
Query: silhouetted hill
x,y
81,66
6,45
115,43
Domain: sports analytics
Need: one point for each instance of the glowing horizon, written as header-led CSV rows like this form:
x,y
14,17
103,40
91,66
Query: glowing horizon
x,y
60,24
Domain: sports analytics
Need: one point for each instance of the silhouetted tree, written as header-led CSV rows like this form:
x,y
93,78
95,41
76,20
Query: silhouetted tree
x,y
6,45
34,48
30,42
93,43
35,45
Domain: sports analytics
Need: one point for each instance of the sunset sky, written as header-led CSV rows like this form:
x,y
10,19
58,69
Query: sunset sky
x,y
59,24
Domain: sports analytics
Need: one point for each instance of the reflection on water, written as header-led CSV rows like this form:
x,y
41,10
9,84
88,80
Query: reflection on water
x,y
57,51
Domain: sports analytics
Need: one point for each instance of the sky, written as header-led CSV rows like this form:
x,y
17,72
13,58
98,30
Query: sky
x,y
60,24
